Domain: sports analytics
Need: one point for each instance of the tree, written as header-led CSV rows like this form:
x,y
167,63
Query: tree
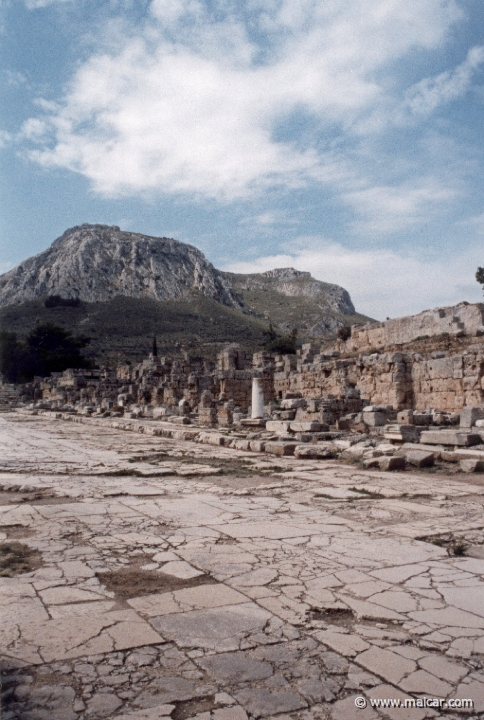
x,y
53,301
48,349
54,349
281,344
16,363
480,276
344,333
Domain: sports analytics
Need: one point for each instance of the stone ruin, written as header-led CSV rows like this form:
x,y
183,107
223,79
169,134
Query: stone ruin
x,y
356,391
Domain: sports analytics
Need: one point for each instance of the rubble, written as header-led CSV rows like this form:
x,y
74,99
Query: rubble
x,y
311,398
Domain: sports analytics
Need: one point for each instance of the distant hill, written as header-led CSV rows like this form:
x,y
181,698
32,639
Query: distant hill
x,y
294,299
123,328
125,287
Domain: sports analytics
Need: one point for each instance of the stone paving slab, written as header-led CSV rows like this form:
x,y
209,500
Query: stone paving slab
x,y
246,596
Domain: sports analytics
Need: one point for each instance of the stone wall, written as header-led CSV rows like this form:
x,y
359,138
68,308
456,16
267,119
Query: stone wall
x,y
449,383
462,319
403,380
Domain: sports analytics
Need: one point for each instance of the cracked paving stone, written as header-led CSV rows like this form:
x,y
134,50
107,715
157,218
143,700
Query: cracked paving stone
x,y
225,628
286,599
262,702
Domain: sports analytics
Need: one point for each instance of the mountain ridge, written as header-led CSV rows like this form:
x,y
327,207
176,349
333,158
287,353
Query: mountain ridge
x,y
94,263
104,267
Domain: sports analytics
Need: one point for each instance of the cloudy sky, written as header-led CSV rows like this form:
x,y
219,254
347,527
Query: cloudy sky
x,y
343,137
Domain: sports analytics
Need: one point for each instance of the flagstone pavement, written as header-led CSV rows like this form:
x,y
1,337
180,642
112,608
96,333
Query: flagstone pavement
x,y
177,580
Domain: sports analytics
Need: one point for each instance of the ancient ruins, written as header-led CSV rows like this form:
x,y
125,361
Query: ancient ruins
x,y
371,390
185,539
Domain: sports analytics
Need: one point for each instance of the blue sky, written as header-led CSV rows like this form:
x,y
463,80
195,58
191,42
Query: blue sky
x,y
341,137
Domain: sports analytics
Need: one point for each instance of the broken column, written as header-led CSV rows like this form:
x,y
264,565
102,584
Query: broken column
x,y
257,399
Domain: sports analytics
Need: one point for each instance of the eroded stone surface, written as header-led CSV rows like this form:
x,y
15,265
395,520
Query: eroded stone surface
x,y
290,595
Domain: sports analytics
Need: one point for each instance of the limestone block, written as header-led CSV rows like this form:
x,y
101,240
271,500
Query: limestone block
x,y
458,455
401,433
374,419
278,426
470,415
211,438
472,466
293,403
257,445
182,420
421,419
450,437
306,426
420,458
316,452
405,417
280,448
253,422
391,463
242,444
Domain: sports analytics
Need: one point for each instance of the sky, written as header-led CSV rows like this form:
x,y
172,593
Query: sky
x,y
341,137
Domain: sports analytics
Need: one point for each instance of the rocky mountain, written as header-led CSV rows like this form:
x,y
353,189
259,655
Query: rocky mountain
x,y
130,287
95,263
294,299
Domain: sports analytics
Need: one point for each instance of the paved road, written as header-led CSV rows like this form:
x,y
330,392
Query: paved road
x,y
177,580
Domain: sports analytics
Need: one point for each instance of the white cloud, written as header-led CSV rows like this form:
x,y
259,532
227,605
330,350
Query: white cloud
x,y
15,78
381,282
190,104
5,138
384,209
428,94
37,4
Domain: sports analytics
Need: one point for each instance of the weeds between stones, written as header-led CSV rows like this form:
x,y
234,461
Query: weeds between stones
x,y
367,493
456,546
333,616
131,581
189,708
17,558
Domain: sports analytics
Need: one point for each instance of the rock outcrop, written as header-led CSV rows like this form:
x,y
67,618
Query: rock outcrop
x,y
296,283
97,262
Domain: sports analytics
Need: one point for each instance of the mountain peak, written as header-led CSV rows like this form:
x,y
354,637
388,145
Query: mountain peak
x,y
97,262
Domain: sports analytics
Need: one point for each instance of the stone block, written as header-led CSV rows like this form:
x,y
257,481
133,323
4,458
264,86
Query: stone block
x,y
305,426
420,458
470,415
391,463
315,452
253,422
288,414
257,445
401,433
344,423
280,448
305,437
458,455
371,462
211,438
241,444
293,403
278,426
472,466
405,417
422,419
374,418
450,437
